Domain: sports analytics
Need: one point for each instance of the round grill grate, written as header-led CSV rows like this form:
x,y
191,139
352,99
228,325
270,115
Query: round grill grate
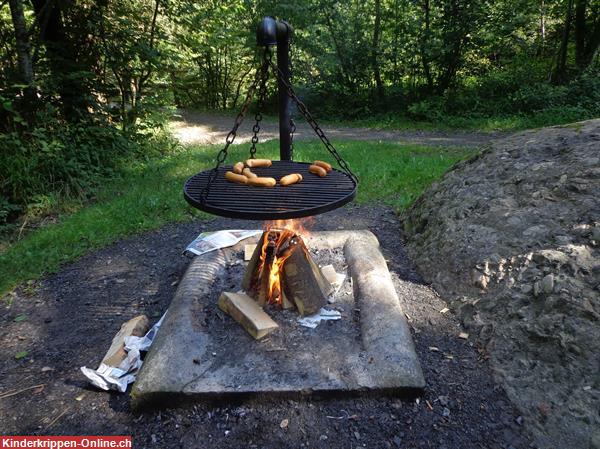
x,y
312,196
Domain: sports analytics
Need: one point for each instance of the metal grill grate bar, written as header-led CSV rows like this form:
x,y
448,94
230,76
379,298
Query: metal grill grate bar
x,y
312,196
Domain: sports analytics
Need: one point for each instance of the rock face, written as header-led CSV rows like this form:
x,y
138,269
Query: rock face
x,y
511,239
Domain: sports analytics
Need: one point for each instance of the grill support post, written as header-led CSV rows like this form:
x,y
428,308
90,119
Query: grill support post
x,y
279,32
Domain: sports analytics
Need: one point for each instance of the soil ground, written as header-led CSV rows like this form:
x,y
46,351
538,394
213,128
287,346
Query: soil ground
x,y
205,128
68,319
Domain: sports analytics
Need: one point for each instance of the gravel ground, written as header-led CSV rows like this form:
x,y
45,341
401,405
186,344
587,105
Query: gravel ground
x,y
203,128
68,320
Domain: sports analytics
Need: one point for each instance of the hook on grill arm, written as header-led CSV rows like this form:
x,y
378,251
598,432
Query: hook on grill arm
x,y
271,31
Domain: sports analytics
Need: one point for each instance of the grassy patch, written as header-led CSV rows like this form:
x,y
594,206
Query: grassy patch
x,y
516,122
148,195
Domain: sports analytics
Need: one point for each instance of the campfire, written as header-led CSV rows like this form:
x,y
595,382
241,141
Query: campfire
x,y
282,272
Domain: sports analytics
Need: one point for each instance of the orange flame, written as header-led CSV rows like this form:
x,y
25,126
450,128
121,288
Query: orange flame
x,y
283,231
298,225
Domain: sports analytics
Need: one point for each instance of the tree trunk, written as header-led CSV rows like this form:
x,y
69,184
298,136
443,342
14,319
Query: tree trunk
x,y
560,70
424,44
580,7
587,40
62,55
542,45
23,52
375,50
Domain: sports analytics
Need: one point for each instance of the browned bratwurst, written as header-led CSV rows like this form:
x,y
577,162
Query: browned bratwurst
x,y
252,163
324,165
290,179
262,182
319,171
237,168
234,177
248,173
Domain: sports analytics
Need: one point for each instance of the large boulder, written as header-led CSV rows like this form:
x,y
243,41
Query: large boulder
x,y
511,240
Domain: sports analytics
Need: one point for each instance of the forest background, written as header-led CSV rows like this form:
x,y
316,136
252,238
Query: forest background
x,y
88,86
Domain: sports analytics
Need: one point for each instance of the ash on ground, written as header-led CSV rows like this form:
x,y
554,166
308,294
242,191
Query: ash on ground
x,y
329,343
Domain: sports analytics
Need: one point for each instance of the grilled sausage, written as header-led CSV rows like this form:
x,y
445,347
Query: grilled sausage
x,y
262,182
234,177
248,173
252,163
290,179
237,168
317,170
324,165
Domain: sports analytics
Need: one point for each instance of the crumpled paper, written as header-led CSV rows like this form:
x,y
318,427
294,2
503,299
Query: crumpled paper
x,y
117,378
211,241
313,321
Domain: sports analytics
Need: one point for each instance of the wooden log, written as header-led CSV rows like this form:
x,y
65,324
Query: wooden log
x,y
251,275
265,274
303,282
249,251
243,309
137,326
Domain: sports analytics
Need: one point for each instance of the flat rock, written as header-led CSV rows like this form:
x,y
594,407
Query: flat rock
x,y
199,354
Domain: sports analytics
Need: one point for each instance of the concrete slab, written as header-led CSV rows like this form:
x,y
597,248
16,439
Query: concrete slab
x,y
199,353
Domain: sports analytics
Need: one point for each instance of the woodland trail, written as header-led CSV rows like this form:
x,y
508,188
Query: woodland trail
x,y
203,128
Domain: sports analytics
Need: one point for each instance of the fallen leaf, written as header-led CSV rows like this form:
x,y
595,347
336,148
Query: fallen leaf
x,y
544,408
463,335
80,397
20,318
284,423
21,355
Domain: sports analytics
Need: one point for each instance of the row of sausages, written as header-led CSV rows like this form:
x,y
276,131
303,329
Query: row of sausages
x,y
242,173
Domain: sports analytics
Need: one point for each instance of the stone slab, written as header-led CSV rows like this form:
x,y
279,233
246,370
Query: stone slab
x,y
189,361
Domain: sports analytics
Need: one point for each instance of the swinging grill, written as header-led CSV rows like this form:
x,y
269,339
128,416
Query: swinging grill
x,y
210,192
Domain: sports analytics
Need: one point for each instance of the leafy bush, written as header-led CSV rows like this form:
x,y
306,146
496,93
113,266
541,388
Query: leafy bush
x,y
56,159
536,97
430,110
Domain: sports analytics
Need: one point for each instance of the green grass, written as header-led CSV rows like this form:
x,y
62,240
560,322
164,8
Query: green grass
x,y
516,122
148,195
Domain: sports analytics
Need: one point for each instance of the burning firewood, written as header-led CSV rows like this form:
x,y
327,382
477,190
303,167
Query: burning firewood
x,y
281,271
304,284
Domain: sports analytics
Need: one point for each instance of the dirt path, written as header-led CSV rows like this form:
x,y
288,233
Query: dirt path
x,y
204,128
68,320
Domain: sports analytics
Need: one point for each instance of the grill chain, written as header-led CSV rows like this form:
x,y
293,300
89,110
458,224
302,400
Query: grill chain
x,y
260,77
262,94
313,123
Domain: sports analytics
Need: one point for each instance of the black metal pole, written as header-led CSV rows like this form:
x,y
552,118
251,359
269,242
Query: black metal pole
x,y
278,32
284,31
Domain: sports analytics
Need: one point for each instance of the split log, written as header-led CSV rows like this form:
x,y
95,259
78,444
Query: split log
x,y
243,309
251,274
138,327
249,251
303,282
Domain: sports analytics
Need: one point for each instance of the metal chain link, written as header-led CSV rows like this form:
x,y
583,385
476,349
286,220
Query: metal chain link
x,y
313,124
262,93
222,155
292,131
292,123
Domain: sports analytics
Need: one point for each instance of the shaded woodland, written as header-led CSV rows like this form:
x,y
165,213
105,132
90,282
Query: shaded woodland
x,y
87,85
